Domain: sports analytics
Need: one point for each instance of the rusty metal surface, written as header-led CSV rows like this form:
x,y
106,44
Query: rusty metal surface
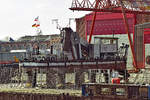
x,y
89,64
80,27
117,91
130,6
27,96
139,47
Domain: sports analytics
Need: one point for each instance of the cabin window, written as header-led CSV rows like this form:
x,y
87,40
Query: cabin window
x,y
106,91
120,91
109,41
98,90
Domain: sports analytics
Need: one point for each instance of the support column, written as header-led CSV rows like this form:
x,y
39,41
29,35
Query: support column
x,y
79,78
30,81
51,78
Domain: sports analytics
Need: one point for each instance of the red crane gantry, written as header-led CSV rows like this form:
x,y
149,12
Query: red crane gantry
x,y
115,6
130,6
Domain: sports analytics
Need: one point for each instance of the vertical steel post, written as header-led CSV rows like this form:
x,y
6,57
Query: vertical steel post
x,y
109,76
92,27
93,22
127,30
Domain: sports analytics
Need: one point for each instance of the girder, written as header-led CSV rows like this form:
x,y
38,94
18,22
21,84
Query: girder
x,y
130,6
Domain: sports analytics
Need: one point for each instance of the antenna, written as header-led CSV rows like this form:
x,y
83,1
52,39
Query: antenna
x,y
70,19
57,24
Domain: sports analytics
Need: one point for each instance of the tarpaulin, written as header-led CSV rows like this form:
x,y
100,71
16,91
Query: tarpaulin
x,y
107,27
108,23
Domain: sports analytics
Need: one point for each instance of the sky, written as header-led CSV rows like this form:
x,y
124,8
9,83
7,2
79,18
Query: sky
x,y
17,16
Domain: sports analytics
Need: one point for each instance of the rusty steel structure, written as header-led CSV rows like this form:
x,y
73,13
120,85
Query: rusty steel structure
x,y
130,6
86,64
138,46
118,91
115,6
96,92
77,56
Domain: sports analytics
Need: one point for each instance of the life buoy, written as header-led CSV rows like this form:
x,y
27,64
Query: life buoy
x,y
148,60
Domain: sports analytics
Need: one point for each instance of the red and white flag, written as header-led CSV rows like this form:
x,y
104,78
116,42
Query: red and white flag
x,y
37,18
37,23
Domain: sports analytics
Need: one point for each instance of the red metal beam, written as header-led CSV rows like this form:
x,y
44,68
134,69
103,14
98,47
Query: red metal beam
x,y
109,10
117,65
93,22
131,6
129,35
92,27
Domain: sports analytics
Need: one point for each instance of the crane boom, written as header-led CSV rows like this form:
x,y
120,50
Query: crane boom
x,y
131,6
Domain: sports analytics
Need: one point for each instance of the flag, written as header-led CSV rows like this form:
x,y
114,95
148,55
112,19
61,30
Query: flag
x,y
37,18
35,25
